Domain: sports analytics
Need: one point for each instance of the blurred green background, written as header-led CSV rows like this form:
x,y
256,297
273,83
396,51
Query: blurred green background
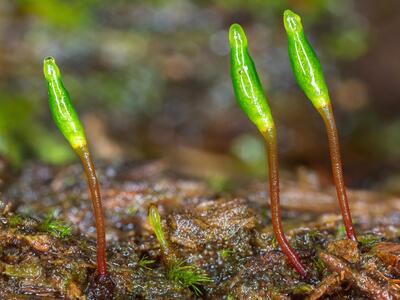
x,y
150,79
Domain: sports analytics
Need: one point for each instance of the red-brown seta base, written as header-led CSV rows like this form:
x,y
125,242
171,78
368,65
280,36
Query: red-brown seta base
x,y
334,149
273,170
94,189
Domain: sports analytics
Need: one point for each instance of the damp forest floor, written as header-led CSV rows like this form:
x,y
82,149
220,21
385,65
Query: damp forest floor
x,y
47,238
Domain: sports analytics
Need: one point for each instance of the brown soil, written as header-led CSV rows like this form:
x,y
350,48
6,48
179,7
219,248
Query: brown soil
x,y
228,235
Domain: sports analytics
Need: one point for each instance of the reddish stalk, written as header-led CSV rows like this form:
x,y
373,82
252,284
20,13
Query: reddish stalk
x,y
334,149
273,170
94,189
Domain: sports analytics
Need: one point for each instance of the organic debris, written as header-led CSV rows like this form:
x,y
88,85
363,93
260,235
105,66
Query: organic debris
x,y
226,236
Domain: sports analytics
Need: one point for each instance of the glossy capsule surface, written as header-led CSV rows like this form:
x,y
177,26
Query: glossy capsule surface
x,y
61,108
305,64
246,84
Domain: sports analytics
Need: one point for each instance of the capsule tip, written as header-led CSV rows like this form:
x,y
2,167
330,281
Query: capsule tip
x,y
292,21
237,38
50,68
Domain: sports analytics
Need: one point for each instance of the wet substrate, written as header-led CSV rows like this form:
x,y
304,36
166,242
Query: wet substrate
x,y
226,235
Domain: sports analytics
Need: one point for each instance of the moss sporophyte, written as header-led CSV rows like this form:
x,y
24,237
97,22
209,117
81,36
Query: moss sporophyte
x,y
68,122
187,275
251,98
308,72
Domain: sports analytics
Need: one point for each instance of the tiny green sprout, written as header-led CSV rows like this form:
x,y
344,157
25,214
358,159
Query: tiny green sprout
x,y
186,275
308,72
341,230
274,242
224,253
55,227
132,210
68,122
144,262
155,222
251,98
167,252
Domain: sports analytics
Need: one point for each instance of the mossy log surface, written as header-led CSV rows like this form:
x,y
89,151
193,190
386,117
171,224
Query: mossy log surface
x,y
228,235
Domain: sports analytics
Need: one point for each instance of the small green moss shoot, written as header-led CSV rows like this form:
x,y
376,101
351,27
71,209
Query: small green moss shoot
x,y
274,242
132,210
369,239
341,230
313,233
178,271
319,265
14,220
155,222
224,253
145,262
55,227
188,276
302,288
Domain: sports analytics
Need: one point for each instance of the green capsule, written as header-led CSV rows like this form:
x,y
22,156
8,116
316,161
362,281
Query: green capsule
x,y
61,108
246,84
305,64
